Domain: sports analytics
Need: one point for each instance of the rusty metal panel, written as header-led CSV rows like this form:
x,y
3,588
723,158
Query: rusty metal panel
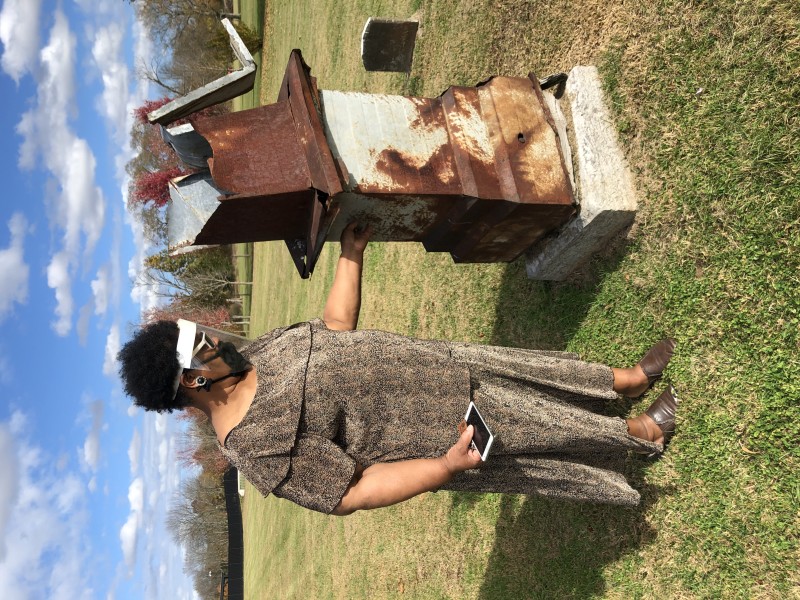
x,y
390,144
300,89
258,218
525,135
256,151
519,226
395,218
483,166
469,136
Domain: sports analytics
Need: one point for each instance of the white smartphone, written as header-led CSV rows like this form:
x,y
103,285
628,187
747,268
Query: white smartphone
x,y
482,438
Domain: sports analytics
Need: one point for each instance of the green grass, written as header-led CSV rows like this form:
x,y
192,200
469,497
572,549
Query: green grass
x,y
707,100
251,13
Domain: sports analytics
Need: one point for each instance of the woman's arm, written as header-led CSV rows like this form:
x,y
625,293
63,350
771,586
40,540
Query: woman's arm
x,y
344,300
384,484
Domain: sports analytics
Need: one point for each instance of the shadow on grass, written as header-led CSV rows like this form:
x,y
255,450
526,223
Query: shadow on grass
x,y
546,314
546,548
555,549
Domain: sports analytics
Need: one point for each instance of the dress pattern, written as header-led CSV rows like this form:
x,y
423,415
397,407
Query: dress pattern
x,y
327,401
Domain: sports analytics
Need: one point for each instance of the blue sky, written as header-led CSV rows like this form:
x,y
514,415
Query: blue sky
x,y
86,479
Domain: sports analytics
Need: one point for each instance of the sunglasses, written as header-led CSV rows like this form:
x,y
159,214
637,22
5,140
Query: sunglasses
x,y
205,342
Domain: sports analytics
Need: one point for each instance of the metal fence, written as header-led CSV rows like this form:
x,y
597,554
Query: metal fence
x,y
233,507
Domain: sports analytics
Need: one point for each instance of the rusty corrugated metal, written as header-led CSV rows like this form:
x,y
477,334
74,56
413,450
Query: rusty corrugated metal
x,y
276,163
476,172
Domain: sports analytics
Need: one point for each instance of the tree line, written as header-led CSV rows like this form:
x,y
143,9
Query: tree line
x,y
192,49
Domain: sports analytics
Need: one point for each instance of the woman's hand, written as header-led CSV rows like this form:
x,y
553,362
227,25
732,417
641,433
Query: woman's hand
x,y
354,240
462,456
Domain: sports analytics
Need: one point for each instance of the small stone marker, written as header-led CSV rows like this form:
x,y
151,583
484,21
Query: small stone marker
x,y
388,45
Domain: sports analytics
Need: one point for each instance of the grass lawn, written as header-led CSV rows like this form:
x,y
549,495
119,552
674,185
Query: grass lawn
x,y
707,101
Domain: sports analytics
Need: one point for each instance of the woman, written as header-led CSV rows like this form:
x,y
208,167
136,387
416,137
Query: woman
x,y
339,420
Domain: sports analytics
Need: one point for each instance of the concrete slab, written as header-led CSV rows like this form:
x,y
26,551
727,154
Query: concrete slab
x,y
604,188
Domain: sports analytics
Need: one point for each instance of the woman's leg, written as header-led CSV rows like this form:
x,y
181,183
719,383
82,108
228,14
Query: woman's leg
x,y
630,382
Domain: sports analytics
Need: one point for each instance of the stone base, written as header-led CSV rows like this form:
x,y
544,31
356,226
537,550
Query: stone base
x,y
602,181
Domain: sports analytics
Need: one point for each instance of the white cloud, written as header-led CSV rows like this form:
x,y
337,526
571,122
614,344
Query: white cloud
x,y
13,269
19,32
106,52
101,290
134,451
47,520
112,348
9,488
59,279
128,536
90,453
79,210
129,532
136,495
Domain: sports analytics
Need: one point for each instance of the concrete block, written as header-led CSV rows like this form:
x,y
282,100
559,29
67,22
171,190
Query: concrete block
x,y
604,184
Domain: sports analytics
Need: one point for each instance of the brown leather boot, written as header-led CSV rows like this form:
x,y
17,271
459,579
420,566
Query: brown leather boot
x,y
656,360
662,411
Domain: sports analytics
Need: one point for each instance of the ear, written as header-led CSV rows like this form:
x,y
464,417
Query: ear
x,y
189,380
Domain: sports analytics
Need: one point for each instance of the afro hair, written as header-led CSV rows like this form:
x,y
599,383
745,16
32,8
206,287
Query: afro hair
x,y
148,365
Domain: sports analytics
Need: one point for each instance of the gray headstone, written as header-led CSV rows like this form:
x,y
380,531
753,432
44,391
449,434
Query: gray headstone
x,y
388,45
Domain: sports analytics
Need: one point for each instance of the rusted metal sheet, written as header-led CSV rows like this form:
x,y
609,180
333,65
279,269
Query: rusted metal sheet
x,y
256,152
391,144
394,218
478,161
276,165
300,89
258,218
476,172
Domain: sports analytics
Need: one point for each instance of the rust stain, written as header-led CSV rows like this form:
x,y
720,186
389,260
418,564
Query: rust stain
x,y
407,173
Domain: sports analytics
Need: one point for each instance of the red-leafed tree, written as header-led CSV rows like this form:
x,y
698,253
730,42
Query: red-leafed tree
x,y
154,186
182,308
198,446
